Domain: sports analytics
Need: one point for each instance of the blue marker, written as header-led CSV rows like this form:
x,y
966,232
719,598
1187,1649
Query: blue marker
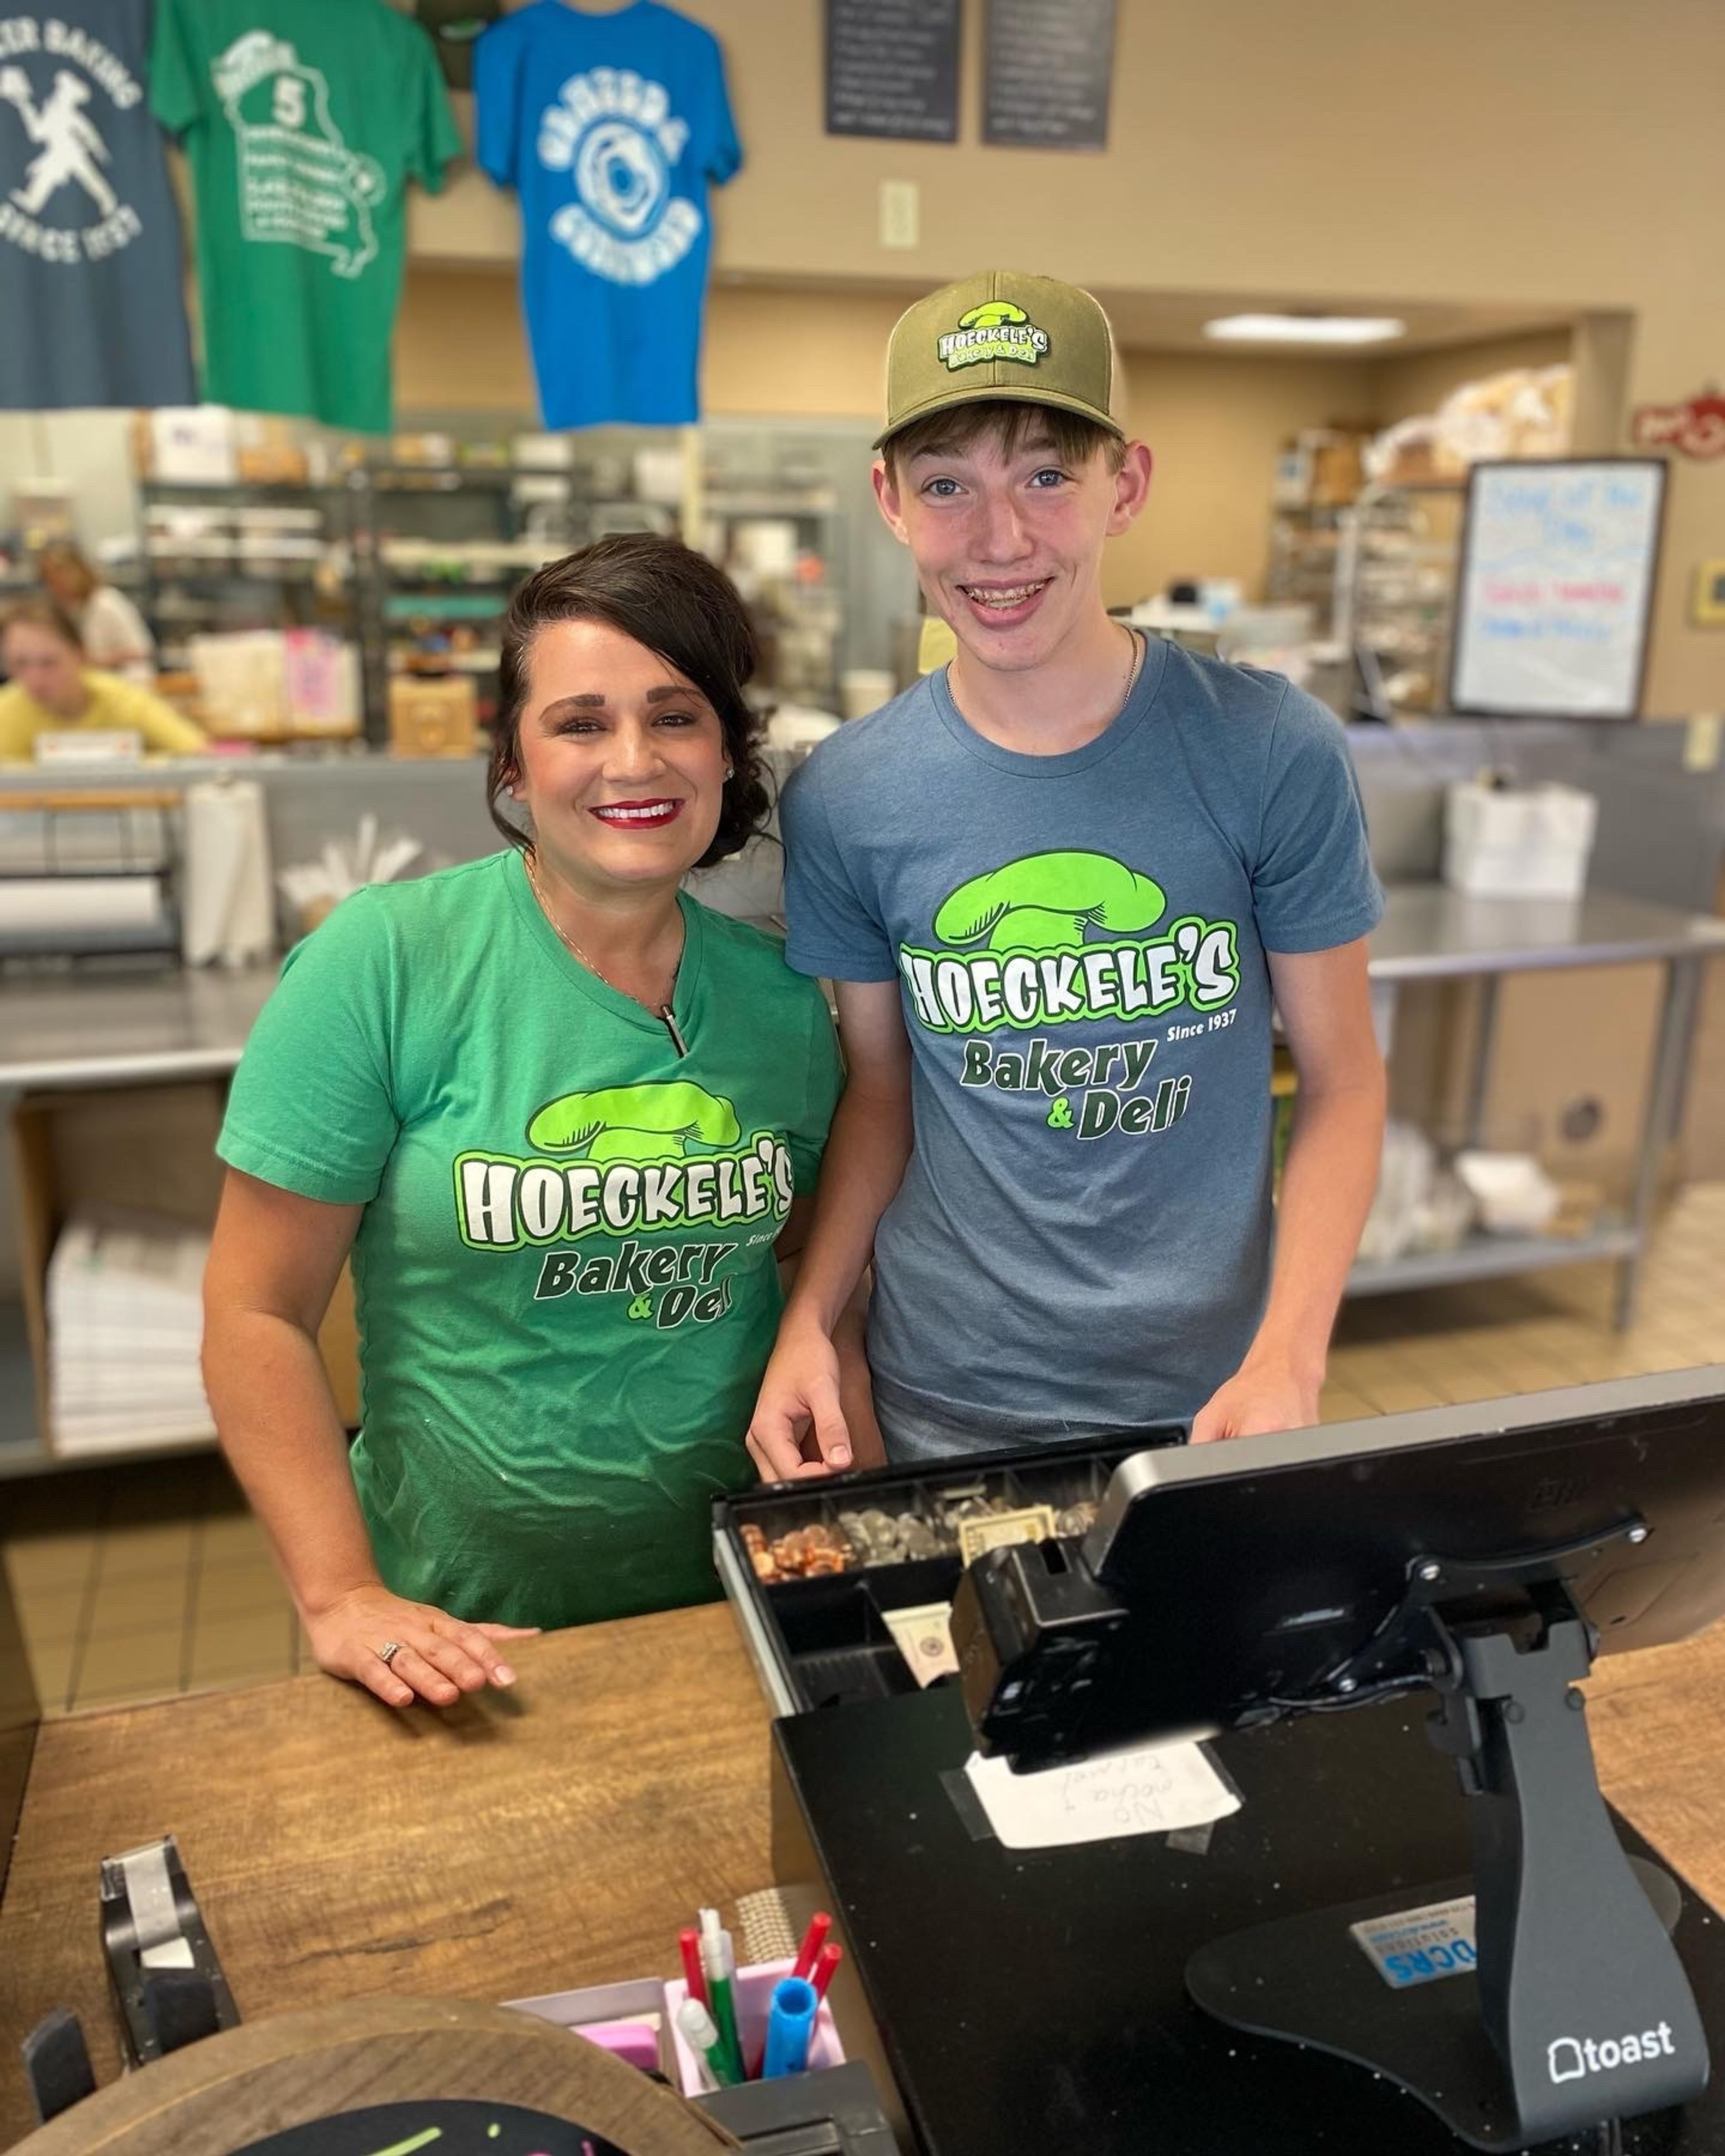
x,y
790,2025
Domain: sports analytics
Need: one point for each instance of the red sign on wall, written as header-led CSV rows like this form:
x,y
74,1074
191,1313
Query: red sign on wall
x,y
1694,429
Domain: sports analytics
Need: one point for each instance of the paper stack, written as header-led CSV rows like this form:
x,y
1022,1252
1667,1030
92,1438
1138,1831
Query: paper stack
x,y
227,908
125,1319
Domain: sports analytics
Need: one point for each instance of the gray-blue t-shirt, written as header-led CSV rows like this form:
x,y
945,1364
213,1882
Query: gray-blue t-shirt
x,y
91,272
1083,1236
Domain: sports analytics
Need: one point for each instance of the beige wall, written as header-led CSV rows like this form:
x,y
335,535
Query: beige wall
x,y
1214,421
1547,155
1214,424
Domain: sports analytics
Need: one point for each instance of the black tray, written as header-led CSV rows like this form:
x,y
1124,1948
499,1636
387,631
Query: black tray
x,y
824,1641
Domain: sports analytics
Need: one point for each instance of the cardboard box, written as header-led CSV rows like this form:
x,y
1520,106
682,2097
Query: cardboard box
x,y
438,716
191,443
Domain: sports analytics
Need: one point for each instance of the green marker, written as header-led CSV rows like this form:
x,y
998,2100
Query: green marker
x,y
701,2036
719,1970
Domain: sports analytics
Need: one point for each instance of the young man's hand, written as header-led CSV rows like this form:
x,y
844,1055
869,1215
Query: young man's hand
x,y
1262,1396
438,1657
798,1430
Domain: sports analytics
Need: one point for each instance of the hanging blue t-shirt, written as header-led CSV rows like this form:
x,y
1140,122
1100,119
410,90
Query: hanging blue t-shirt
x,y
609,128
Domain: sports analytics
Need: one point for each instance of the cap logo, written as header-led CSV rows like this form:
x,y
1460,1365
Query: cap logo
x,y
996,329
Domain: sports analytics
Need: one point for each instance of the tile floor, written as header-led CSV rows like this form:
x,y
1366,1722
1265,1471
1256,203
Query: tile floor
x,y
142,1577
150,1576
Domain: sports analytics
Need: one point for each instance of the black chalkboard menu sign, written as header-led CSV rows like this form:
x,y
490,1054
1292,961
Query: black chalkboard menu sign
x,y
440,2129
1046,70
892,69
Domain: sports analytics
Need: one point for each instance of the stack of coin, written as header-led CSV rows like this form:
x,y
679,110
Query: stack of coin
x,y
801,1553
883,1538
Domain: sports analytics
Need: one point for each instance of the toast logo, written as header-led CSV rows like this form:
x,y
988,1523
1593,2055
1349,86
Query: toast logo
x,y
1573,2058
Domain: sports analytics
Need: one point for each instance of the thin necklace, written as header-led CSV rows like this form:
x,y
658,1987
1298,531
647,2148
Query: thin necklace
x,y
663,1012
1132,672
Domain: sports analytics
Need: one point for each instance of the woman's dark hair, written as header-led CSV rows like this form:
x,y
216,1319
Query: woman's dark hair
x,y
678,604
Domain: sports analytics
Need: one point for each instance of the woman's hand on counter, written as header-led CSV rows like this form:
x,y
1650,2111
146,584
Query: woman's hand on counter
x,y
438,1657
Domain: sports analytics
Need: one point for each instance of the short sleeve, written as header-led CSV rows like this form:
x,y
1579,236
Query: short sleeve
x,y
311,1108
1313,886
437,140
496,100
724,152
113,630
174,78
831,931
808,1138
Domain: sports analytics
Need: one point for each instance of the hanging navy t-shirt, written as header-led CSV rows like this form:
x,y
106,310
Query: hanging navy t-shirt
x,y
610,128
90,265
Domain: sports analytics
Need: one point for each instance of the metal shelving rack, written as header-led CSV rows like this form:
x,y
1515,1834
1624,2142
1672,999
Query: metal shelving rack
x,y
1395,587
444,546
1305,544
232,577
414,563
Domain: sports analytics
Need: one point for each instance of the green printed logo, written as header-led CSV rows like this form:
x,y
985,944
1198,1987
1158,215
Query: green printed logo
x,y
656,1156
1041,921
996,329
1059,1116
1047,901
633,1122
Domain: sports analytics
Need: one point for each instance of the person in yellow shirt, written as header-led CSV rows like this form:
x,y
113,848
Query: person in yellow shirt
x,y
52,690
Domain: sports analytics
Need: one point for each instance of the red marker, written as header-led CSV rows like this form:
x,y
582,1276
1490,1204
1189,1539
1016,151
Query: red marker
x,y
819,1924
826,1961
689,1945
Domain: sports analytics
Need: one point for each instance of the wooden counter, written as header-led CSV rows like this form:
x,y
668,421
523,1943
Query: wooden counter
x,y
555,1836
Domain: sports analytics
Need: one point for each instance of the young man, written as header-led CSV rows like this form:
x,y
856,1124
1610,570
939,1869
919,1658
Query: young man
x,y
1057,886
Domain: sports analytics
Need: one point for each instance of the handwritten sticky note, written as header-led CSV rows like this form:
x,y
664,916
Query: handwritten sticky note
x,y
1150,1789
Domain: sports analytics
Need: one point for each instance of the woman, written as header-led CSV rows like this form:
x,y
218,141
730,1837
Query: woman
x,y
567,1118
115,636
52,690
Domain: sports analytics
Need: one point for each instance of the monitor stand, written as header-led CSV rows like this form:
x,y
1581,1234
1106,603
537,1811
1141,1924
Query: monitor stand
x,y
1578,2011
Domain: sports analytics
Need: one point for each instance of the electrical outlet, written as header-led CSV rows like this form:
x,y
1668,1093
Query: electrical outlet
x,y
901,212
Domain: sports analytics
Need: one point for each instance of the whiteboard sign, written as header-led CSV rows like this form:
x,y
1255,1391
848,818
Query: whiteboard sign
x,y
1557,563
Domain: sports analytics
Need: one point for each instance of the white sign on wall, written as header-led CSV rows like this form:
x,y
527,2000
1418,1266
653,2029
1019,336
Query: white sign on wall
x,y
1555,584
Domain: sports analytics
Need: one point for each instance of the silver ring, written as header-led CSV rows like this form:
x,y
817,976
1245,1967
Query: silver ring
x,y
388,1651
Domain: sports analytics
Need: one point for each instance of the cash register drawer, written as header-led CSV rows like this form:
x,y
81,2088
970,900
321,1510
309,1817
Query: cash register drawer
x,y
838,1586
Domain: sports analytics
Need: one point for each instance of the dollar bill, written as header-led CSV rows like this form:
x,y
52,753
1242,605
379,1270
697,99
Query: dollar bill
x,y
1034,1523
924,1639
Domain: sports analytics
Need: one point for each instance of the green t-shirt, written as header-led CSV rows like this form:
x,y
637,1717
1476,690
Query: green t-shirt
x,y
301,138
564,1274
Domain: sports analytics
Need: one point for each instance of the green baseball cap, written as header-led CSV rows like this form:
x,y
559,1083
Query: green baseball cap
x,y
1002,334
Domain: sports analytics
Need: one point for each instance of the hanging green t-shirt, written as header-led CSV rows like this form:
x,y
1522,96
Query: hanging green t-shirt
x,y
302,130
565,1273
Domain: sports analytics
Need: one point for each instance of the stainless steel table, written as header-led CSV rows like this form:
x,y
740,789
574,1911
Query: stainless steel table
x,y
126,1029
119,1029
1429,932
